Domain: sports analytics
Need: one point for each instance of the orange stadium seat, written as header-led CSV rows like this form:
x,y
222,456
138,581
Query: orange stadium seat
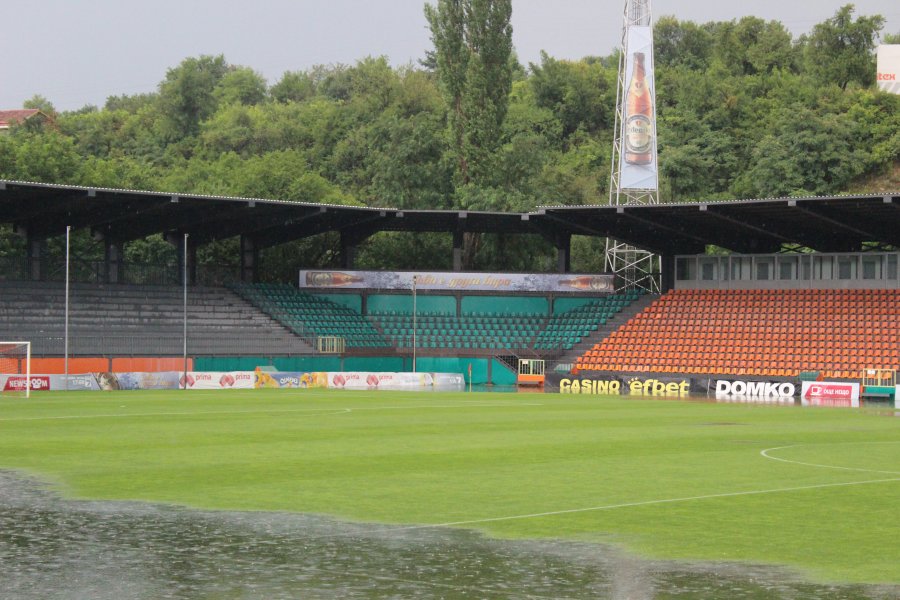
x,y
773,333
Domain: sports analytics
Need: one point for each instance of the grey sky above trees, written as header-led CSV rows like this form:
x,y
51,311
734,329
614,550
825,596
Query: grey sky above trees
x,y
79,53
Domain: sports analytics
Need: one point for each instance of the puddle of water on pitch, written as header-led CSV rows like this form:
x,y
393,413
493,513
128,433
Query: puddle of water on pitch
x,y
51,548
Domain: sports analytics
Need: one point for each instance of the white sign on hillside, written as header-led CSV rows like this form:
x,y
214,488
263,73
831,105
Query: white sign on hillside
x,y
888,77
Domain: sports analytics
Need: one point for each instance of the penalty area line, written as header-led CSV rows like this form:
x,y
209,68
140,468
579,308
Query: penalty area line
x,y
554,513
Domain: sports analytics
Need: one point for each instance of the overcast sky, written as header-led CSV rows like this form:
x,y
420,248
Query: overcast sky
x,y
78,52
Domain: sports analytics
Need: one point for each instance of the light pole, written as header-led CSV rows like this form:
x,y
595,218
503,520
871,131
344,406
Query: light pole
x,y
184,278
414,324
66,336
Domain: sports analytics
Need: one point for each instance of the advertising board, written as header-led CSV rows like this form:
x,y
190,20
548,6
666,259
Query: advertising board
x,y
670,387
367,380
291,379
734,390
18,383
638,165
830,393
458,281
45,383
218,380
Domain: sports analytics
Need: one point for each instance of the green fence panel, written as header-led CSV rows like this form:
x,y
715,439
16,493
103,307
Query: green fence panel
x,y
439,364
402,303
501,374
351,301
561,305
390,364
504,305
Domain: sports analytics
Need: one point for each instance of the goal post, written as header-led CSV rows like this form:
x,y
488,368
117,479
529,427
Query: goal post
x,y
15,367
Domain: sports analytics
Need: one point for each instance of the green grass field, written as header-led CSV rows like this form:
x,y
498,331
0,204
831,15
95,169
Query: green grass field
x,y
814,489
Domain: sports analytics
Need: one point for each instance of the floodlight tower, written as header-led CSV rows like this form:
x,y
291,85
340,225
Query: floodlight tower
x,y
634,167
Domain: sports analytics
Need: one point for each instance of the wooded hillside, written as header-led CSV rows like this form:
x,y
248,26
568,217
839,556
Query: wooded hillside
x,y
744,111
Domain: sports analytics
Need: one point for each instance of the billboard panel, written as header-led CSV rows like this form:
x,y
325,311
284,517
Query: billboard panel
x,y
736,389
830,393
631,385
39,383
462,281
888,77
638,165
208,380
291,379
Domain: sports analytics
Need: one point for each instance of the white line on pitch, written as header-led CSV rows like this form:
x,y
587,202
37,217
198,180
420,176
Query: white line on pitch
x,y
765,453
323,411
644,503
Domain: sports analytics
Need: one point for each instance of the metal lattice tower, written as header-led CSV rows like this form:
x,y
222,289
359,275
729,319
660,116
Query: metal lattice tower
x,y
634,268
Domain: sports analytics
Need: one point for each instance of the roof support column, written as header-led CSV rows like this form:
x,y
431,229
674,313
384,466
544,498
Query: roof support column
x,y
457,250
563,253
249,259
35,249
114,260
349,242
185,263
667,268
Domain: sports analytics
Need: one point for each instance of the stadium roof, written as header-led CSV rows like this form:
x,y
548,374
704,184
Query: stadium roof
x,y
826,224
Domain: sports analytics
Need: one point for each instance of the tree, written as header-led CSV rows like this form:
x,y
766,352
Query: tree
x,y
804,154
840,50
187,95
294,86
47,157
473,53
42,104
451,57
241,86
580,94
681,43
473,48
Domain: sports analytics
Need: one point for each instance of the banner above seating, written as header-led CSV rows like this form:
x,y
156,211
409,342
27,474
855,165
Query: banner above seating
x,y
463,281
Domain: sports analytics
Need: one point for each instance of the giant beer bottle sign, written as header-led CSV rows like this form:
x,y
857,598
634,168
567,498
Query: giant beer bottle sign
x,y
638,168
638,122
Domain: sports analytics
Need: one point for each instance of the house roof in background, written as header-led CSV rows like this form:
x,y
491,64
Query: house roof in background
x,y
11,117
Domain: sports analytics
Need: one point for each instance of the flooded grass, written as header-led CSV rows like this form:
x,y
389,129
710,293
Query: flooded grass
x,y
51,548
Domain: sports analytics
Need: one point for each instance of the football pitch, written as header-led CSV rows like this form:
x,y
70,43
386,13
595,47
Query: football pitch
x,y
815,490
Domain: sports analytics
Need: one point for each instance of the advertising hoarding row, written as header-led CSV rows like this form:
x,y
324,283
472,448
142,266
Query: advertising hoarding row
x,y
362,380
811,393
236,380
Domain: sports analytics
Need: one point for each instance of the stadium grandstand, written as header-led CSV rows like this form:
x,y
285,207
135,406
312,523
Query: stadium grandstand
x,y
796,286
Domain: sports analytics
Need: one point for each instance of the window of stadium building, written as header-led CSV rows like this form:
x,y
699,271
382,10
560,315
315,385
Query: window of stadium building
x,y
878,269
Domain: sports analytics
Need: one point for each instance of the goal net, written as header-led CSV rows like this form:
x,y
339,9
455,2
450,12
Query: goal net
x,y
15,368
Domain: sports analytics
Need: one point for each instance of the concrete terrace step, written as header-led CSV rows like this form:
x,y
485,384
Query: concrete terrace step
x,y
111,319
604,331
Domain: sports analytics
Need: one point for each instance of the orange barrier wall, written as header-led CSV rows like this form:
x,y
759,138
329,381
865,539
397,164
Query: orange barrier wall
x,y
57,366
152,364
